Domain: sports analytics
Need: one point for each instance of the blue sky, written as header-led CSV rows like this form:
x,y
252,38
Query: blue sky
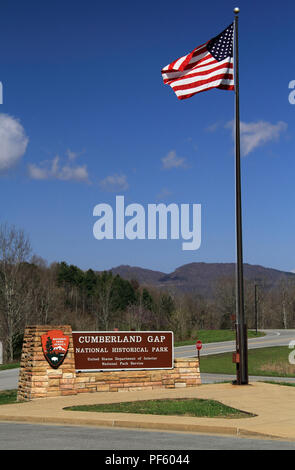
x,y
86,117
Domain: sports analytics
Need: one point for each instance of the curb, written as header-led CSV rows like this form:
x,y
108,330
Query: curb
x,y
155,426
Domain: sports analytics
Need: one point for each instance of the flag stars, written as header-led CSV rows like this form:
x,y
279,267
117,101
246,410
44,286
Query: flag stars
x,y
221,46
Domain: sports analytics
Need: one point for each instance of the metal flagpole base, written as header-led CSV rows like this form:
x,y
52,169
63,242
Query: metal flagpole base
x,y
240,357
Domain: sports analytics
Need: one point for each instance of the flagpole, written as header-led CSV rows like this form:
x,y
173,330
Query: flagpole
x,y
241,329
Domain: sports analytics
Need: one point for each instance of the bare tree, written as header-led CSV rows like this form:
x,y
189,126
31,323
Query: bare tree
x,y
225,300
15,250
104,295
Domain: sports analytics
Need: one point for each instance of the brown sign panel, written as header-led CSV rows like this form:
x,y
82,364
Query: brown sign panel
x,y
123,350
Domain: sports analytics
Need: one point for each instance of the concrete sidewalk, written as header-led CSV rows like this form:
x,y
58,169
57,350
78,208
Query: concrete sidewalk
x,y
273,405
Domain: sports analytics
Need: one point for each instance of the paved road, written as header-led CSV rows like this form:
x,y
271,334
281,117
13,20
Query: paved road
x,y
9,378
15,436
272,338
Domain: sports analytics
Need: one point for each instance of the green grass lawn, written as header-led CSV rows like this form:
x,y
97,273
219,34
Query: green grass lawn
x,y
215,336
272,362
172,407
7,397
12,365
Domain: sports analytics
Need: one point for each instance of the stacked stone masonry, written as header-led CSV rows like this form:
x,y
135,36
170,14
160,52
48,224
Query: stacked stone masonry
x,y
38,380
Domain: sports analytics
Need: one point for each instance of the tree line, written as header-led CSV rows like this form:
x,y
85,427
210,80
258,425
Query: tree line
x,y
33,292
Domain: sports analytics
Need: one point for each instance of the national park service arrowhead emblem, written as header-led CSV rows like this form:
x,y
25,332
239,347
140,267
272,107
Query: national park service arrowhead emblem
x,y
55,347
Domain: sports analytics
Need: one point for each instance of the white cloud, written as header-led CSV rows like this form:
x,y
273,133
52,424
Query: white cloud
x,y
13,141
256,134
114,183
37,173
173,161
54,170
71,155
213,127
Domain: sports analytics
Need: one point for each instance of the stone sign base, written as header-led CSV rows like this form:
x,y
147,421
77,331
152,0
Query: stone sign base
x,y
38,379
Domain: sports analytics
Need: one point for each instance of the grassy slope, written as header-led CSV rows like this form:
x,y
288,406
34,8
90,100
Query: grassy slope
x,y
7,396
265,362
215,336
13,365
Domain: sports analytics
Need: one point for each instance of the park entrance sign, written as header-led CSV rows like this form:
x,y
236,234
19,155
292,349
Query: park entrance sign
x,y
57,361
123,350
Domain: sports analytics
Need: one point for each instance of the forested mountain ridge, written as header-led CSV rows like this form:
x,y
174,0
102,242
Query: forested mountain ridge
x,y
201,277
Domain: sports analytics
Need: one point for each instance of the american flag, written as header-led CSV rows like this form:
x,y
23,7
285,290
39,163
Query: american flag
x,y
208,66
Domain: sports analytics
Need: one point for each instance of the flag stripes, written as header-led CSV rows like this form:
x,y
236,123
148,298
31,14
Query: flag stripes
x,y
207,66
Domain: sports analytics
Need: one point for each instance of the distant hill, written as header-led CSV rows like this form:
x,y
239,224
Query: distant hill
x,y
143,276
200,277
